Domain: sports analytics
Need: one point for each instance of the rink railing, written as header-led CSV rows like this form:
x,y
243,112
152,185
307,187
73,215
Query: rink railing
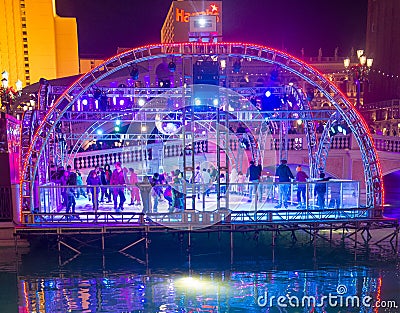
x,y
340,201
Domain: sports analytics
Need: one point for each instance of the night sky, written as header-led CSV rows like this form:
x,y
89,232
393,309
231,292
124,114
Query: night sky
x,y
105,25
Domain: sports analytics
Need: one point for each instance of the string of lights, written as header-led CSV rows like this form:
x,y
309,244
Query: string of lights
x,y
376,71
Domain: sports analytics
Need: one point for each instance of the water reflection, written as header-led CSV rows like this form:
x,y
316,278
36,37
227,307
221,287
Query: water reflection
x,y
208,291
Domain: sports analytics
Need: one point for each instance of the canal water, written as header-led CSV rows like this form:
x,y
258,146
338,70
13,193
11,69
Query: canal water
x,y
292,277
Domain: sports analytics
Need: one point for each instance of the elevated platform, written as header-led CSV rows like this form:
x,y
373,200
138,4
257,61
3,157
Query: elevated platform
x,y
76,236
201,222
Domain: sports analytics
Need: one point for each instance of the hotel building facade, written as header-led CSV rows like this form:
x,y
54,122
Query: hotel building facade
x,y
35,42
182,23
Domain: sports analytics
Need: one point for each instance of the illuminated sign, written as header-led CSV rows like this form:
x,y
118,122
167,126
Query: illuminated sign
x,y
203,23
182,16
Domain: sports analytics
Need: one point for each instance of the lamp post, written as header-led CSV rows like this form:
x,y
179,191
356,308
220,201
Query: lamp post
x,y
359,71
9,94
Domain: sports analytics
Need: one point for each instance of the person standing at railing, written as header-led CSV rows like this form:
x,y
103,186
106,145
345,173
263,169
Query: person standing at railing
x,y
133,180
254,174
233,179
335,187
284,175
96,169
107,179
240,180
79,182
118,179
94,180
320,190
71,193
207,182
177,192
103,183
196,180
268,180
301,177
157,191
64,193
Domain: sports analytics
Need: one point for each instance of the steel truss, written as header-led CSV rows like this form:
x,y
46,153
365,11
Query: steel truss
x,y
44,132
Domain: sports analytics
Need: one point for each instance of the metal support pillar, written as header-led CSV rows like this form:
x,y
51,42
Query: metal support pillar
x,y
147,248
273,236
232,246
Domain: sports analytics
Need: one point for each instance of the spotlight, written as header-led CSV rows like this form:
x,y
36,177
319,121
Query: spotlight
x,y
141,102
134,73
337,129
333,131
171,66
202,22
268,93
99,132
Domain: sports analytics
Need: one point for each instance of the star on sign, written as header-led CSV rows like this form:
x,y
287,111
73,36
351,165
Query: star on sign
x,y
214,8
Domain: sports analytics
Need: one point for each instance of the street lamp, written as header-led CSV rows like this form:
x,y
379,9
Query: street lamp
x,y
8,94
359,71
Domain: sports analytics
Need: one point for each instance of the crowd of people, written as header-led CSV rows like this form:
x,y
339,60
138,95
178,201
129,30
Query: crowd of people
x,y
104,185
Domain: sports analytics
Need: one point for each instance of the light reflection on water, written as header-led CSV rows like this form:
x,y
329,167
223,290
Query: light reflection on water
x,y
210,282
208,291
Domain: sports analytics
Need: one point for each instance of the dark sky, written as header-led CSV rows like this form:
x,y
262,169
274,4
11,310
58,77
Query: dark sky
x,y
104,25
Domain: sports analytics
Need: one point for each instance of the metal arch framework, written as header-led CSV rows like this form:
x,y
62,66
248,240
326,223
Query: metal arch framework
x,y
325,142
310,131
372,168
